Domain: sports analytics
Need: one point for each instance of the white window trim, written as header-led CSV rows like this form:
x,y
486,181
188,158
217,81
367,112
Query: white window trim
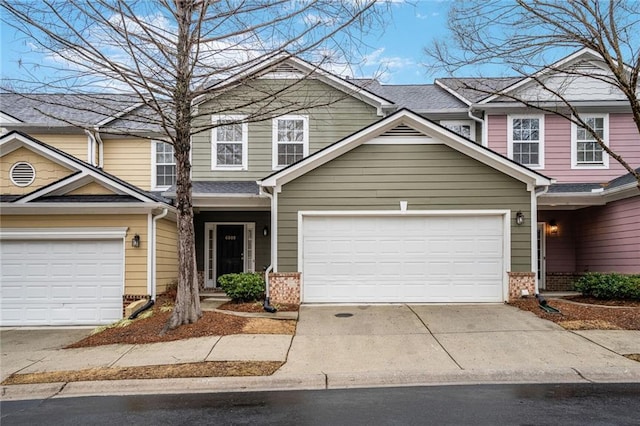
x,y
574,145
470,123
510,141
274,140
215,119
154,169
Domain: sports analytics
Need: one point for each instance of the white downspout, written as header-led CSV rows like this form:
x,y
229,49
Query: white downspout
x,y
154,254
484,141
91,142
273,238
100,148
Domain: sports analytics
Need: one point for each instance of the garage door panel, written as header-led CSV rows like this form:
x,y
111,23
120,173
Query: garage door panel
x,y
61,282
402,259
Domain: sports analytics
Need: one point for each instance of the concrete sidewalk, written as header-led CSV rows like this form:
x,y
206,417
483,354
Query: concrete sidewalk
x,y
346,346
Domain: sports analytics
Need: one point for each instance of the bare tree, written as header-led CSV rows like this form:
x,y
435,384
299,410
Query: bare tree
x,y
167,53
527,37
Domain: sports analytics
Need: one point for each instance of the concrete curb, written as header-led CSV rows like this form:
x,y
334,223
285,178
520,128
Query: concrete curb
x,y
286,382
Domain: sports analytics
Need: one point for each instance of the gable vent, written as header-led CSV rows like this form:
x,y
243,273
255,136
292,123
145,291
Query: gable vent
x,y
284,68
402,130
22,174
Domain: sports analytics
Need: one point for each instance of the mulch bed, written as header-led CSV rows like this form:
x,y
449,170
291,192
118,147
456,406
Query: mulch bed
x,y
257,307
575,316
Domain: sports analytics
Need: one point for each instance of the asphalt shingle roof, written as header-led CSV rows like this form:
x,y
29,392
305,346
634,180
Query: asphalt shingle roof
x,y
475,89
231,187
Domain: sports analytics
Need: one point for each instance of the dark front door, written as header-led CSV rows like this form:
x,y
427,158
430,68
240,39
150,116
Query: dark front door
x,y
229,249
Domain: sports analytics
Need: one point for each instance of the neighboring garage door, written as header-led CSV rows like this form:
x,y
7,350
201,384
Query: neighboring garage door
x,y
364,259
74,282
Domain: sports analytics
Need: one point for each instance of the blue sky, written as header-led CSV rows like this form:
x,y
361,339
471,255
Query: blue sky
x,y
397,51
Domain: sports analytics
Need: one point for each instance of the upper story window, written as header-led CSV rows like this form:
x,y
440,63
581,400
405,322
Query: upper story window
x,y
585,150
466,128
526,140
164,167
290,139
229,143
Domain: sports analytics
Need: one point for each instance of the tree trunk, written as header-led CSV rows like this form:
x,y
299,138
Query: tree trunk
x,y
187,308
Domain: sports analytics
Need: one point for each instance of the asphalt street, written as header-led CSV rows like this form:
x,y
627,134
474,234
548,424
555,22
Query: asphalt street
x,y
532,404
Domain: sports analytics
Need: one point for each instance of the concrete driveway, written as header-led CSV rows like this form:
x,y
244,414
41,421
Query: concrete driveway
x,y
442,341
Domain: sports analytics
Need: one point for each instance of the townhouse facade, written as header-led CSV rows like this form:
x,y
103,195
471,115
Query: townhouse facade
x,y
382,193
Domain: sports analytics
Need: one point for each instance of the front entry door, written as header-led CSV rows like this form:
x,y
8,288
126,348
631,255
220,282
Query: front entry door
x,y
229,249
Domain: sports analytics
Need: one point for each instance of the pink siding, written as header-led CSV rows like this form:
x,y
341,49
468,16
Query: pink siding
x,y
497,133
560,255
623,139
608,237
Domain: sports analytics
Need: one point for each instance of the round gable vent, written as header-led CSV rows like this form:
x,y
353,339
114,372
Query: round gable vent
x,y
22,174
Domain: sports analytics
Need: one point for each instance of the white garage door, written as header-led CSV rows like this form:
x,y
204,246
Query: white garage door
x,y
350,259
61,282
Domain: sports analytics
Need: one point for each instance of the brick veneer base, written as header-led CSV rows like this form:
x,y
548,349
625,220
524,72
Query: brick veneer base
x,y
560,281
519,281
284,287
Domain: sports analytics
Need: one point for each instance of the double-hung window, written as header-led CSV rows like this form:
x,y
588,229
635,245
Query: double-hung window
x,y
585,150
164,167
229,143
290,139
526,140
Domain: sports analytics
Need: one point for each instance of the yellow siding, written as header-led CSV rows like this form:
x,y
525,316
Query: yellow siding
x,y
135,258
75,145
92,188
46,171
167,254
130,160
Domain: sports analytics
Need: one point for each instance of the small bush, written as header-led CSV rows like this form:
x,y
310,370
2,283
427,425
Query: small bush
x,y
244,287
609,286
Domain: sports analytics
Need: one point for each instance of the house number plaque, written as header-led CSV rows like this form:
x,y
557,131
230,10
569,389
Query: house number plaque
x,y
230,237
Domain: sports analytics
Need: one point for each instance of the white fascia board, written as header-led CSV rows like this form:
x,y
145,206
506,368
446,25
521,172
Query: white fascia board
x,y
411,119
328,154
452,92
80,208
59,188
66,233
308,69
11,142
8,119
562,62
597,198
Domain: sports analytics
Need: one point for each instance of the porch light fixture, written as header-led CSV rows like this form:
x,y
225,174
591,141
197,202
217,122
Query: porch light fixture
x,y
553,228
135,241
519,218
265,231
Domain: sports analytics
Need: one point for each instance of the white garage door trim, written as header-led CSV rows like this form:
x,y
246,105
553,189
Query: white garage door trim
x,y
55,235
504,214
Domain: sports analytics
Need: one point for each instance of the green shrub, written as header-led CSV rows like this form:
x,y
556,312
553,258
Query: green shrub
x,y
244,287
609,286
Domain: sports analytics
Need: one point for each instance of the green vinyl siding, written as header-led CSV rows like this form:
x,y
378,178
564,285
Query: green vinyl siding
x,y
378,177
340,116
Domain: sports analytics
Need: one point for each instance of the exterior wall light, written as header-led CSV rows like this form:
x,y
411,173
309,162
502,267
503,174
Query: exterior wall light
x,y
553,228
265,231
519,218
135,241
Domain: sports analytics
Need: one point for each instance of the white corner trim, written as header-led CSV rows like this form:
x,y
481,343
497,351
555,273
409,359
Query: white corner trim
x,y
63,233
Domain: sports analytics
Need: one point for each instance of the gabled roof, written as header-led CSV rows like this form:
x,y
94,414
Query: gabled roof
x,y
421,98
580,55
80,174
89,110
406,118
473,90
292,65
